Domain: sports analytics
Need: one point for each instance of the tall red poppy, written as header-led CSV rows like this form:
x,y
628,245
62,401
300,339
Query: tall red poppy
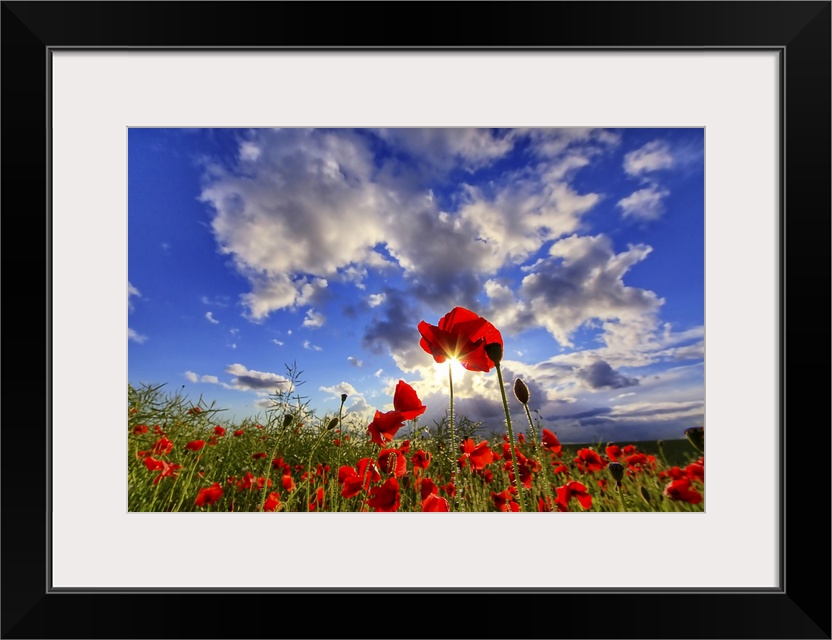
x,y
195,445
434,503
392,461
573,489
386,497
384,426
208,495
272,502
682,490
406,402
550,441
480,454
461,335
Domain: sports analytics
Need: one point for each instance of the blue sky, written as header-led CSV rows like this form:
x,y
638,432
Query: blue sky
x,y
253,249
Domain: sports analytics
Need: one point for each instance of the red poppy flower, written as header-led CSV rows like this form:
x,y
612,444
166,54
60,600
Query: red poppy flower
x,y
449,489
238,433
504,501
420,459
589,461
613,452
404,447
195,445
384,426
550,441
367,473
139,429
427,487
287,482
573,489
545,504
218,430
461,335
392,461
406,402
695,471
259,455
434,503
209,495
272,502
162,446
317,503
681,490
674,473
386,497
629,450
480,454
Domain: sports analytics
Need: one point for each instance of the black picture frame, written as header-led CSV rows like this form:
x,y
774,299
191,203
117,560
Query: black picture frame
x,y
800,608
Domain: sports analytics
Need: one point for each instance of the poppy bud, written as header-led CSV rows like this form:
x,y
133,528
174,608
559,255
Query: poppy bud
x,y
332,424
696,436
645,494
343,398
521,391
616,470
494,351
287,420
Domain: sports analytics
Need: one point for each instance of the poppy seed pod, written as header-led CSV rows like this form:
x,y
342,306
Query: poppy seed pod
x,y
287,419
616,470
332,424
521,391
494,351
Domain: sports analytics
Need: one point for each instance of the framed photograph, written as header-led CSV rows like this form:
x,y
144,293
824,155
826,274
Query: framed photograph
x,y
350,180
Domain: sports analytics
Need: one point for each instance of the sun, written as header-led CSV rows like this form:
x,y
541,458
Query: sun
x,y
441,370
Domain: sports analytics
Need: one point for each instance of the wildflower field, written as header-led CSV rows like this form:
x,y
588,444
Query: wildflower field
x,y
182,457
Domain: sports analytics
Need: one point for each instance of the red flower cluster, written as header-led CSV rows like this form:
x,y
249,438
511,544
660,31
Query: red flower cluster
x,y
461,335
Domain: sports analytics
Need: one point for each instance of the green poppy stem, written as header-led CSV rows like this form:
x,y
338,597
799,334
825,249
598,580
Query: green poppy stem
x,y
514,466
452,453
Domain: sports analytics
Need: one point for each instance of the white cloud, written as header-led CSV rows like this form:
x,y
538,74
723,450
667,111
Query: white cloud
x,y
354,361
311,347
378,373
644,204
131,291
249,151
581,281
653,156
289,218
250,380
194,377
135,336
376,299
314,319
210,317
278,342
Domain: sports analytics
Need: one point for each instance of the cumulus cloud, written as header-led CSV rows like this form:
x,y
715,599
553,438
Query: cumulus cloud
x,y
288,217
135,336
355,361
376,299
580,281
314,319
250,380
210,317
653,156
600,375
194,377
644,204
444,148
